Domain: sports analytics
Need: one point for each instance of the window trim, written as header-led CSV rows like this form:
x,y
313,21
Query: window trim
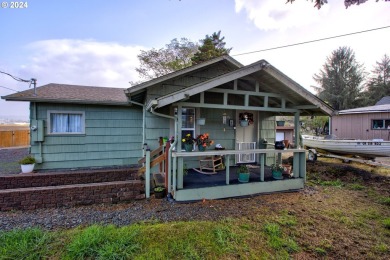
x,y
384,124
82,113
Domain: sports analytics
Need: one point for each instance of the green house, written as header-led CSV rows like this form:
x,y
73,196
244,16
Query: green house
x,y
86,127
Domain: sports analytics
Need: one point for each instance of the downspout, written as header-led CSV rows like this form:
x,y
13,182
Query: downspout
x,y
143,123
172,146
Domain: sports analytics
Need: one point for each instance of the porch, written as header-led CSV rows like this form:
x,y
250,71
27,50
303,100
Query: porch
x,y
224,184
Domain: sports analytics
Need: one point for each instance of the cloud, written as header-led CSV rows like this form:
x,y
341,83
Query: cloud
x,y
68,61
275,15
83,62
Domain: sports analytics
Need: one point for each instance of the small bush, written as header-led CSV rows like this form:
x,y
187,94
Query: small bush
x,y
27,160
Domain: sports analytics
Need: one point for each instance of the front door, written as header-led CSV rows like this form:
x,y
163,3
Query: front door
x,y
246,137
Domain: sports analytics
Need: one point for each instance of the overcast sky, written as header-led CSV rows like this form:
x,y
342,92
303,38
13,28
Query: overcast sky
x,y
95,43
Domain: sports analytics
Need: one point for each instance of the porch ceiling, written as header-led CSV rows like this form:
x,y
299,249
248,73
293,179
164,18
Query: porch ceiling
x,y
271,84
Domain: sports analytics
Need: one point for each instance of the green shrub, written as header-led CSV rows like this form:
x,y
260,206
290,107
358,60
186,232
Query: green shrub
x,y
27,160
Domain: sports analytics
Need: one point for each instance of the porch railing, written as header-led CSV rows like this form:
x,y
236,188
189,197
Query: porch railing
x,y
299,162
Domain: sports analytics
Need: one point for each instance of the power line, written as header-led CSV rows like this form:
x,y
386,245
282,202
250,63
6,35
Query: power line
x,y
322,39
15,78
9,88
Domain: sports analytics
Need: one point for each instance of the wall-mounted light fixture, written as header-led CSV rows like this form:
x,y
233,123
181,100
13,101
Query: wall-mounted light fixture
x,y
224,117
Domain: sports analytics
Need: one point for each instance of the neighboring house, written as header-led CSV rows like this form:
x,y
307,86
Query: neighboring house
x,y
372,122
79,126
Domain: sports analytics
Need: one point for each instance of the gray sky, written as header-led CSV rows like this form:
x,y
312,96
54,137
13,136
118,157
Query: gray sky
x,y
96,42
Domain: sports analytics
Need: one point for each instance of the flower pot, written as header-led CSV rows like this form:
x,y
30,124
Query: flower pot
x,y
244,123
188,147
27,168
159,194
243,176
277,175
201,148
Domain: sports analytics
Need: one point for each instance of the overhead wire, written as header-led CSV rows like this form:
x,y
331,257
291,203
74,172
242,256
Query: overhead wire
x,y
311,41
9,88
15,78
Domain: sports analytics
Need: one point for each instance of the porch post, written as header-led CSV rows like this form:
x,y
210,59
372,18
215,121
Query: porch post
x,y
262,162
227,166
147,174
297,129
179,170
174,174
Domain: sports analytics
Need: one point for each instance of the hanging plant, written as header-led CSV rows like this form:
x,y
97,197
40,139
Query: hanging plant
x,y
246,117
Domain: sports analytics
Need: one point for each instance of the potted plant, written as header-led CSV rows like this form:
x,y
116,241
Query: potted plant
x,y
159,192
188,143
27,164
203,140
277,171
246,119
243,173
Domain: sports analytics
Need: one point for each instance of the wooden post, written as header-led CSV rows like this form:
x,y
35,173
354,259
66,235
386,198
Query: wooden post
x,y
147,174
167,160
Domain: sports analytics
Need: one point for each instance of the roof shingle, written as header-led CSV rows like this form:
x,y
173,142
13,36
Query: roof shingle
x,y
73,94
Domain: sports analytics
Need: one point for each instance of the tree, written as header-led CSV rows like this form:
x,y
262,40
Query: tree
x,y
175,56
347,3
340,79
378,85
211,47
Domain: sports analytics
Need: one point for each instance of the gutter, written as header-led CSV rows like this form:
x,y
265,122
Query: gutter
x,y
168,174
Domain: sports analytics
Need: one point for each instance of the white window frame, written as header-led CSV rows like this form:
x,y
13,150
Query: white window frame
x,y
82,113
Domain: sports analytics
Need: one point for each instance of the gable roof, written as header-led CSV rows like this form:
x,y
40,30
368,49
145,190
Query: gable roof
x,y
365,110
72,94
383,101
226,58
272,81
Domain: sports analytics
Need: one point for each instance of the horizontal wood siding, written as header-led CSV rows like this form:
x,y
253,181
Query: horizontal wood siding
x,y
113,136
156,127
358,126
267,131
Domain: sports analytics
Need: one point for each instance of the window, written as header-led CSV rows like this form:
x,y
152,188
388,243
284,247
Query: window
x,y
188,123
66,122
381,124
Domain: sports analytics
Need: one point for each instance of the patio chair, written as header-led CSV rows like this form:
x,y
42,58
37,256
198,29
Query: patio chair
x,y
211,163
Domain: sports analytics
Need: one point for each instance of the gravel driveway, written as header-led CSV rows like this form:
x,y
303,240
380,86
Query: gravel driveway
x,y
9,158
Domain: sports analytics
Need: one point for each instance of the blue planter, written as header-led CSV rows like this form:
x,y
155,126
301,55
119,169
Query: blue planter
x,y
243,177
277,175
201,148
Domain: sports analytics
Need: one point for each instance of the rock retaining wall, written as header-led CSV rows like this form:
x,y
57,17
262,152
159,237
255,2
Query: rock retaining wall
x,y
49,190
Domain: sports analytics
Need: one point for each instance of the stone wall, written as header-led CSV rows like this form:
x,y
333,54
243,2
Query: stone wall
x,y
67,189
26,180
71,195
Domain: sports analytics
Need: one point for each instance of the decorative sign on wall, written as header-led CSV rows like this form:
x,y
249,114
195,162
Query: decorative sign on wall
x,y
246,119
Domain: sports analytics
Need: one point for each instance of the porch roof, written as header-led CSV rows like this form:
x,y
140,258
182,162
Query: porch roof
x,y
72,94
271,81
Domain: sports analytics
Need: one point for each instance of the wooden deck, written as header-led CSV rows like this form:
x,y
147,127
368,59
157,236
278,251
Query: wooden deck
x,y
224,184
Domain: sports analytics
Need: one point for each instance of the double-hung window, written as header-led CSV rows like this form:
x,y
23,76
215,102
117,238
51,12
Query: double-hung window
x,y
66,122
188,123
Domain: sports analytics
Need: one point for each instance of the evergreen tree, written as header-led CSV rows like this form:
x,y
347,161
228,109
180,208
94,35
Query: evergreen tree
x,y
211,47
378,85
340,80
175,56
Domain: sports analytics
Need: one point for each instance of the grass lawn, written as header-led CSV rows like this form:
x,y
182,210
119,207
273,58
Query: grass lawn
x,y
340,215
